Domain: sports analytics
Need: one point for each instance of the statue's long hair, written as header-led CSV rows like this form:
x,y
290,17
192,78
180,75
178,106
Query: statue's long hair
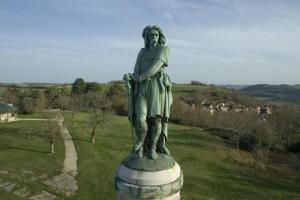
x,y
161,39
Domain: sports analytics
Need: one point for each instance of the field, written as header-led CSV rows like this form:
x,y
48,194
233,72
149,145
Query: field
x,y
177,89
212,169
279,94
2,89
25,160
184,89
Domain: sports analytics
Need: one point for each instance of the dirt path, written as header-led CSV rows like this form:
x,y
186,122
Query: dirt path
x,y
65,182
30,119
70,162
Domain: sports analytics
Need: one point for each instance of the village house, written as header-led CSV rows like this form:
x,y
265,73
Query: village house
x,y
7,112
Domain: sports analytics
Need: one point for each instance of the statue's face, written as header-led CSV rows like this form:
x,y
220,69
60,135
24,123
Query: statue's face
x,y
153,37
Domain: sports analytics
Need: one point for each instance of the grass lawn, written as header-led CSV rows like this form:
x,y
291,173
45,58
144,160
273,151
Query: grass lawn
x,y
2,89
39,115
212,169
25,157
185,89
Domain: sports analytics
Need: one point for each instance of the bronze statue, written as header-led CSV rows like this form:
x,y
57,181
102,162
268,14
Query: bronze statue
x,y
150,98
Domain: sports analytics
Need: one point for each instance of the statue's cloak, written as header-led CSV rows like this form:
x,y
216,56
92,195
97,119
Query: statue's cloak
x,y
156,89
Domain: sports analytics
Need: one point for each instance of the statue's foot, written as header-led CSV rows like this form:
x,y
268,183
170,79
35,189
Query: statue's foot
x,y
153,154
165,150
137,146
140,153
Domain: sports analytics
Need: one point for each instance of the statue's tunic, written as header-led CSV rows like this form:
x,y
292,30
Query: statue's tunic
x,y
156,90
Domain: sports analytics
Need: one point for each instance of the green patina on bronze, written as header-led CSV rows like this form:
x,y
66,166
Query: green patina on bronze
x,y
149,96
163,162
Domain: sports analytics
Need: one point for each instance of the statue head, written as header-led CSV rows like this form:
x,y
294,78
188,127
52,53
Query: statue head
x,y
153,36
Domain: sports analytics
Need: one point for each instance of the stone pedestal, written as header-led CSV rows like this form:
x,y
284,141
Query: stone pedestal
x,y
142,178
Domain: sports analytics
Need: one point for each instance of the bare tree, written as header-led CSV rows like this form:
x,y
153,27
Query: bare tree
x,y
265,137
286,124
10,95
76,104
240,124
98,108
64,102
51,132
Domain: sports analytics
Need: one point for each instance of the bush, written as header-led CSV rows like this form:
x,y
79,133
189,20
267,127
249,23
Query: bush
x,y
118,98
247,142
197,83
294,147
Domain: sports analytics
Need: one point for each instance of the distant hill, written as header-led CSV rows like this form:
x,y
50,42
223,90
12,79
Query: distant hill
x,y
289,93
236,87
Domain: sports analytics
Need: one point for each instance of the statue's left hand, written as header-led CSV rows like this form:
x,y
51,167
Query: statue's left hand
x,y
127,77
136,78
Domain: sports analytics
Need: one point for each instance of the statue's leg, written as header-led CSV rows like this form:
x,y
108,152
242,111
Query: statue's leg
x,y
155,133
163,137
141,125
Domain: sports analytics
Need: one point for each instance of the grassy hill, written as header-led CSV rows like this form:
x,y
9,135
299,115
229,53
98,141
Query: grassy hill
x,y
212,168
279,93
185,89
2,89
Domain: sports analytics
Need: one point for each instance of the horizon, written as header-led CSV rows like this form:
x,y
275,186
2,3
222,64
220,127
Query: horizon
x,y
213,41
183,83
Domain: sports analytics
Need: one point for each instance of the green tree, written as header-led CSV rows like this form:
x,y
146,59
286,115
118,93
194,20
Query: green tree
x,y
78,86
116,90
66,90
30,101
93,87
118,98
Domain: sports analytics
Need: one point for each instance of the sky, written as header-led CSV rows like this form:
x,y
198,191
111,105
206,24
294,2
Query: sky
x,y
212,41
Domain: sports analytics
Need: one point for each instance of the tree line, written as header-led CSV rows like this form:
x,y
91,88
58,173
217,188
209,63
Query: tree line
x,y
88,97
280,132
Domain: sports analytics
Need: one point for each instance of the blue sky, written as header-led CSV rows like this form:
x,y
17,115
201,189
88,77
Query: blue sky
x,y
213,41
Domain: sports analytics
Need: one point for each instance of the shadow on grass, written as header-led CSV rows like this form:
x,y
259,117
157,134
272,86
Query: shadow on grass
x,y
262,180
9,147
27,133
81,139
229,185
186,134
10,131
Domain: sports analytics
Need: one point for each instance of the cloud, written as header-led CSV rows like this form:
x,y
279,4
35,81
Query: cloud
x,y
168,16
102,38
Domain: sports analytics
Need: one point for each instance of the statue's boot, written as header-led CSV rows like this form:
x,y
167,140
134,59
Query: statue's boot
x,y
139,146
140,152
164,149
164,133
155,133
